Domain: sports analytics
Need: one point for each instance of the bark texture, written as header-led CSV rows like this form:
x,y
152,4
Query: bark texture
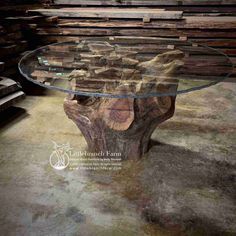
x,y
119,125
125,125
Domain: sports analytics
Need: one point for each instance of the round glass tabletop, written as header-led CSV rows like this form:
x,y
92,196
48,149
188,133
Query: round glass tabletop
x,y
137,67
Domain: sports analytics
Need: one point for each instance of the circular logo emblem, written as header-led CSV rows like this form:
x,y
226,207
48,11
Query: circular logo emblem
x,y
59,159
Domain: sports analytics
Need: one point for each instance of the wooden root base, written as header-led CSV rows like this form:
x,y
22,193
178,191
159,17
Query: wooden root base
x,y
118,126
124,125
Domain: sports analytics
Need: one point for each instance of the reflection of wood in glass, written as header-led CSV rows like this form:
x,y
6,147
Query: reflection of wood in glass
x,y
110,68
109,62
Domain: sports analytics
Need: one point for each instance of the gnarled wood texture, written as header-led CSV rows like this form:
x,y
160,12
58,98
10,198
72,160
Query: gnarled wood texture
x,y
125,125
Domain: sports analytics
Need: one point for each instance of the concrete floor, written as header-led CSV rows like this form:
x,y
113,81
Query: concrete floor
x,y
185,185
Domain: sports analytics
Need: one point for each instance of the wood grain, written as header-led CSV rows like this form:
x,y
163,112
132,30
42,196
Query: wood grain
x,y
110,13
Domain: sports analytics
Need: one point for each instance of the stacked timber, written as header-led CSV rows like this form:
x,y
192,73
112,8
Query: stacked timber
x,y
15,34
10,93
212,23
12,44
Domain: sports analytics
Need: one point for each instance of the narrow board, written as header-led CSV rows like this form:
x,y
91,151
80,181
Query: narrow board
x,y
10,100
137,13
7,86
143,3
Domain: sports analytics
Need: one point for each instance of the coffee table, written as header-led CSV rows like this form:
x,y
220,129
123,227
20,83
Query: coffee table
x,y
119,89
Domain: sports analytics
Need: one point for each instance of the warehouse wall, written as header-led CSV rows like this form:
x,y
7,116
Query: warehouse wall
x,y
209,22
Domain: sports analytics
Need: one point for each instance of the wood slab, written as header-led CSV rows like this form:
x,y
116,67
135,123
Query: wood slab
x,y
2,65
10,100
110,13
189,22
194,33
7,86
143,3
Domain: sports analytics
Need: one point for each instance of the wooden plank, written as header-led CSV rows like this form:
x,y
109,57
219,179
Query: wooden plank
x,y
143,49
23,18
10,100
9,28
7,86
203,9
210,14
22,8
198,60
137,32
2,65
12,36
49,74
187,23
13,49
216,42
110,13
143,3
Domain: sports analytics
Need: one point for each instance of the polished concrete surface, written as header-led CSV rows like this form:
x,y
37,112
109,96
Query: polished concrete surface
x,y
185,184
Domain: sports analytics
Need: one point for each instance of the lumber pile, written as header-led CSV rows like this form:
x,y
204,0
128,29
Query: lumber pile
x,y
12,44
15,37
10,93
212,23
14,41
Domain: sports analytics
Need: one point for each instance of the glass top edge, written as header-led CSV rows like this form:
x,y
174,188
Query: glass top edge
x,y
99,94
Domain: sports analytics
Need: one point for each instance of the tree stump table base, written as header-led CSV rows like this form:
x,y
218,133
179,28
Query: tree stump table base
x,y
119,126
123,126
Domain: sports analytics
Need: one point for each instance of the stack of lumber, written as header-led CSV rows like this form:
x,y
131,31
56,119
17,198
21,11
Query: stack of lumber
x,y
10,93
12,44
15,35
14,41
212,23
